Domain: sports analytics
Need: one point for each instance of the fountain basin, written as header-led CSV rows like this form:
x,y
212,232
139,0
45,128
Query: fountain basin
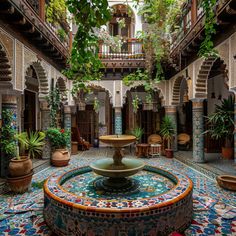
x,y
105,167
87,211
118,140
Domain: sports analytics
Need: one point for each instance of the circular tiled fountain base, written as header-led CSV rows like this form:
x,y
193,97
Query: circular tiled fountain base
x,y
72,206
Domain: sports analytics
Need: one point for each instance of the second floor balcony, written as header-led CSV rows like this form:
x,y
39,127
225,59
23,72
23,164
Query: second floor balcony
x,y
129,54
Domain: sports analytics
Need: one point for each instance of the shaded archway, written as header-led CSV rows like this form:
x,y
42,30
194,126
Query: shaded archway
x,y
5,67
42,79
147,115
62,88
90,120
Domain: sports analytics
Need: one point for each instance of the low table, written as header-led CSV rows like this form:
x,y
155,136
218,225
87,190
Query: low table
x,y
142,150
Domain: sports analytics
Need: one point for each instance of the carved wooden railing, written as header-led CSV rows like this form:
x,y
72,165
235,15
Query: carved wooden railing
x,y
132,49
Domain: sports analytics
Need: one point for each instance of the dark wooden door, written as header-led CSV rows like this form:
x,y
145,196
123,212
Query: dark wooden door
x,y
86,124
30,111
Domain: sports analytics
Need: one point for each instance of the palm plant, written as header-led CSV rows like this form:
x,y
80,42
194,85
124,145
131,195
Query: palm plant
x,y
137,132
32,142
167,130
221,122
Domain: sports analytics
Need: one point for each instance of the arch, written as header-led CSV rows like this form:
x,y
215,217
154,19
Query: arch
x,y
176,90
61,84
140,83
5,67
96,86
201,82
42,78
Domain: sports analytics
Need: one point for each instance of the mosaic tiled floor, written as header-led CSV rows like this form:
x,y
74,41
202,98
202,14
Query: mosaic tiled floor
x,y
214,208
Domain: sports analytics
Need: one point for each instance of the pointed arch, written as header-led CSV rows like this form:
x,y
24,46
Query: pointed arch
x,y
176,90
201,82
5,67
42,78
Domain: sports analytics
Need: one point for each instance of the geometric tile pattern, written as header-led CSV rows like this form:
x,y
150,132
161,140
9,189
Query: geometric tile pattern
x,y
214,207
198,129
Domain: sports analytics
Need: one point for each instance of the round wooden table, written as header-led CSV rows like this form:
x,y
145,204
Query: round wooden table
x,y
142,149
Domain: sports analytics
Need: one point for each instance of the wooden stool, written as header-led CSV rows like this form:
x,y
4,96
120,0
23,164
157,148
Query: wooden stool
x,y
142,150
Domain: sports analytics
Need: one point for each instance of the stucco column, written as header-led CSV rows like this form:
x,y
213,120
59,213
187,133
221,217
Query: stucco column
x,y
118,120
171,112
67,120
9,103
198,129
45,124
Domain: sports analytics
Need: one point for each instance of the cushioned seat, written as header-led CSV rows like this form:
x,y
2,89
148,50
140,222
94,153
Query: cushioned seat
x,y
184,140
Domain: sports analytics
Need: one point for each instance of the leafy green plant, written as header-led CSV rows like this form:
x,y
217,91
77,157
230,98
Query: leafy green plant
x,y
54,100
59,138
32,142
135,103
61,34
221,122
55,11
167,130
84,62
138,133
96,105
207,46
8,142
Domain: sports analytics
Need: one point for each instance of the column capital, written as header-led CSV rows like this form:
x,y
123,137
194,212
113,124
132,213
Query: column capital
x,y
44,105
197,102
67,109
10,99
170,109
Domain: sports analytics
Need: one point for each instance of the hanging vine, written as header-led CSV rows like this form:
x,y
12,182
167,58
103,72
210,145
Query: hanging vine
x,y
84,62
207,46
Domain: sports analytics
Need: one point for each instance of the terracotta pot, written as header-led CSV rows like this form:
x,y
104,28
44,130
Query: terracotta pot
x,y
227,153
169,153
227,182
20,184
20,167
74,148
60,157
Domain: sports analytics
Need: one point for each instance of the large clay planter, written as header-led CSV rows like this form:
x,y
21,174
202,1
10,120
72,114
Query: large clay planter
x,y
60,157
169,153
227,182
20,184
227,153
20,167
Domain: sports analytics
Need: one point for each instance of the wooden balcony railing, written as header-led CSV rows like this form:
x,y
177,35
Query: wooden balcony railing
x,y
132,49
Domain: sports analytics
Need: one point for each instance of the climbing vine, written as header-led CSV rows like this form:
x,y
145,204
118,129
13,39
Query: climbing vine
x,y
207,46
84,61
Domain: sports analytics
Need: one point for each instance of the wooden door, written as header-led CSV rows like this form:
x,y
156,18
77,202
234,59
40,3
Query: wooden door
x,y
30,111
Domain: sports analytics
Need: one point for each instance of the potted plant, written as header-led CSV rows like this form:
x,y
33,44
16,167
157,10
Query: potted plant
x,y
221,124
59,140
167,131
20,166
138,133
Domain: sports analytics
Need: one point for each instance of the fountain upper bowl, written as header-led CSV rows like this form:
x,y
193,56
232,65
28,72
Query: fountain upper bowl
x,y
118,140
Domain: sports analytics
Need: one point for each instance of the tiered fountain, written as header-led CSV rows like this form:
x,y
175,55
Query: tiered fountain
x,y
151,202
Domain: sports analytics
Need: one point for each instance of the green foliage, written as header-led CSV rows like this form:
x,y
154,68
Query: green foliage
x,y
207,46
61,34
138,133
96,105
138,75
54,100
55,11
8,143
38,185
135,103
167,129
32,142
84,62
221,122
59,138
161,18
